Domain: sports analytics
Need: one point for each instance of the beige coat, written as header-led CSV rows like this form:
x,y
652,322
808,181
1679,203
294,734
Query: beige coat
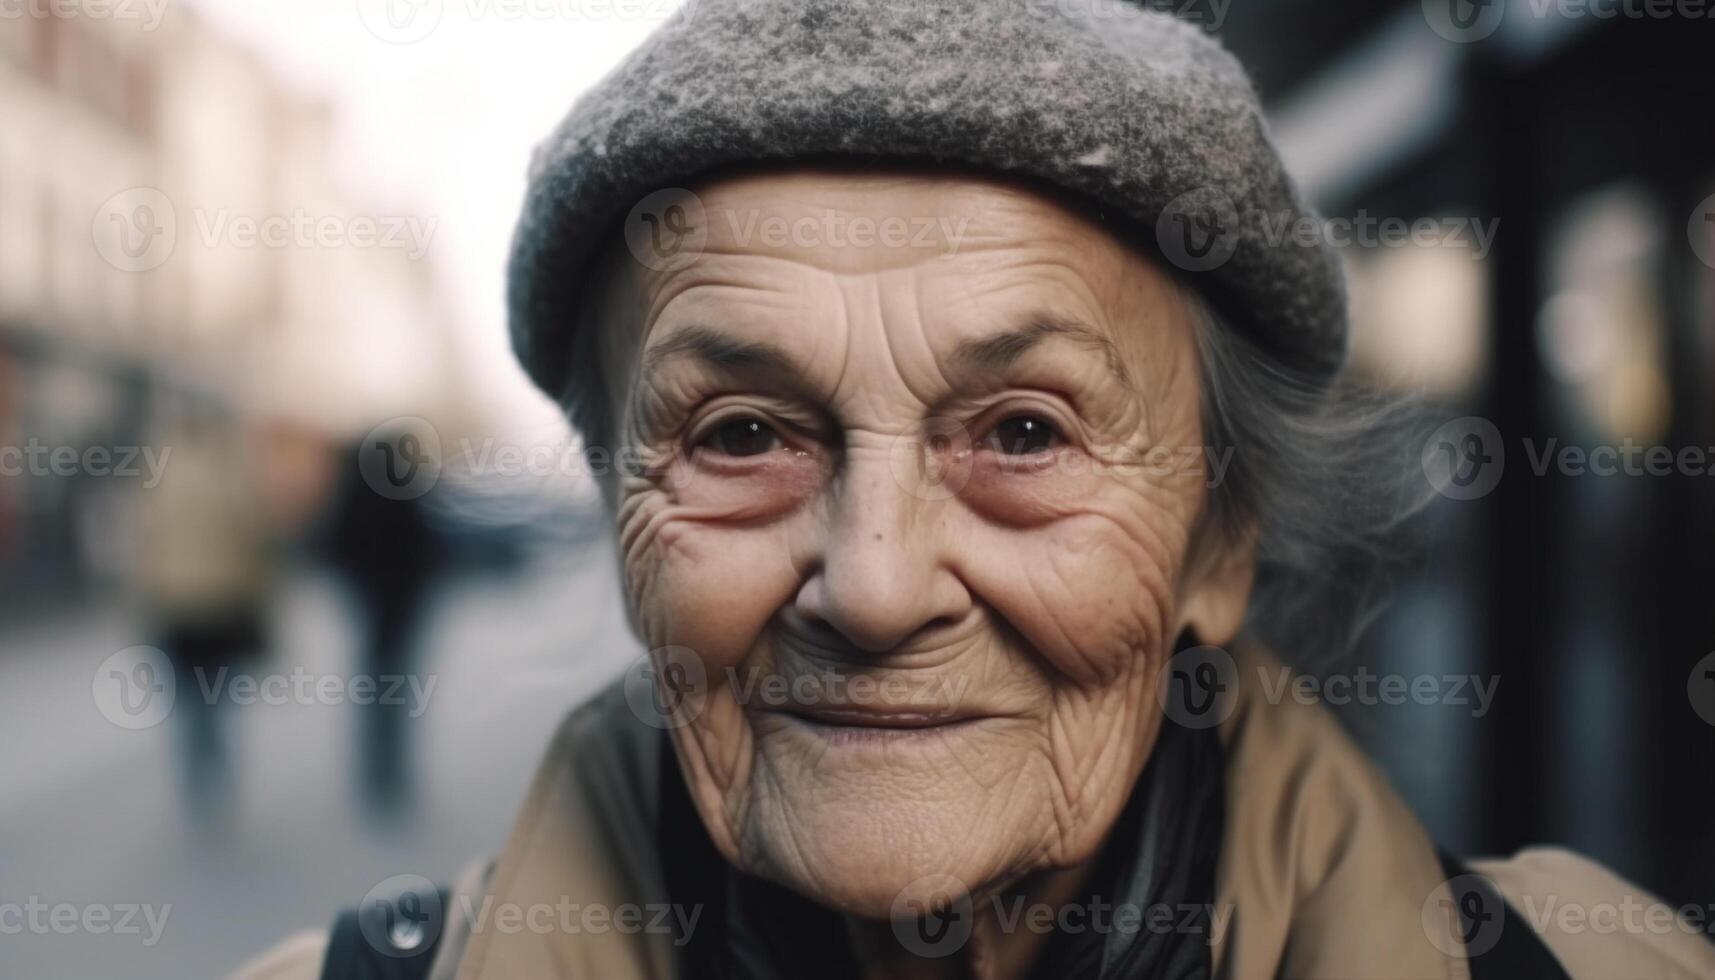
x,y
1327,873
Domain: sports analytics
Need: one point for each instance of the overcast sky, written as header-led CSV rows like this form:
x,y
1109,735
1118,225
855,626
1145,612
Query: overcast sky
x,y
439,103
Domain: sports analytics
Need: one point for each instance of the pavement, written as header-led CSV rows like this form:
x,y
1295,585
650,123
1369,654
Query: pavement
x,y
107,870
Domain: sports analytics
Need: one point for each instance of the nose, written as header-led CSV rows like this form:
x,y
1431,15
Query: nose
x,y
884,575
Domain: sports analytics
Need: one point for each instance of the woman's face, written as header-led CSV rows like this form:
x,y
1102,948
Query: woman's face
x,y
918,515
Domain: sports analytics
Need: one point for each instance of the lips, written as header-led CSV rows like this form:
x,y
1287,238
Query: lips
x,y
852,716
875,726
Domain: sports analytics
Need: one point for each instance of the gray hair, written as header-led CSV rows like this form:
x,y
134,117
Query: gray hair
x,y
1325,479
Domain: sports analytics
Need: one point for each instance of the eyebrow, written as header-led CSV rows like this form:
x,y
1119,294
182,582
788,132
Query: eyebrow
x,y
720,350
993,353
998,352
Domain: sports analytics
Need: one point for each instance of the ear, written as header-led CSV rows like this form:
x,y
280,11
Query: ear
x,y
1215,590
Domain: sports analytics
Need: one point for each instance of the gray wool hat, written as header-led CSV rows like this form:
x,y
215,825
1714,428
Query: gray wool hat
x,y
1129,109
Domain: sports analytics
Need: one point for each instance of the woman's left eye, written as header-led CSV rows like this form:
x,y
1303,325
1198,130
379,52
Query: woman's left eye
x,y
1024,435
741,437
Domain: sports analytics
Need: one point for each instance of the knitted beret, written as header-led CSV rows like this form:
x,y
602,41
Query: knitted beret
x,y
1131,110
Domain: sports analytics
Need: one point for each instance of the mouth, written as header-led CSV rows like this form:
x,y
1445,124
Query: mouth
x,y
848,724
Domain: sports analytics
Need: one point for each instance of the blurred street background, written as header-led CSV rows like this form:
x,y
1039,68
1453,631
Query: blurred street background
x,y
258,419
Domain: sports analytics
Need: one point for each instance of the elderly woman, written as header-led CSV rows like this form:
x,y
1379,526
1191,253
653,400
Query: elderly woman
x,y
958,417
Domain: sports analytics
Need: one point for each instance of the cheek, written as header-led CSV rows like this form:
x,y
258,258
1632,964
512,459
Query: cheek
x,y
1027,493
727,491
708,551
1090,590
713,589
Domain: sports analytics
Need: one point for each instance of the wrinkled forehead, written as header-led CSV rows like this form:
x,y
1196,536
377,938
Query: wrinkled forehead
x,y
763,254
859,222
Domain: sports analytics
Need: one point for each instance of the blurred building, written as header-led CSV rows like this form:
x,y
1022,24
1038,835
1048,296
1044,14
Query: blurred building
x,y
174,236
1579,134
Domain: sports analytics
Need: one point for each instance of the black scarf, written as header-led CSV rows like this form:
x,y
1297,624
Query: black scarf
x,y
1160,859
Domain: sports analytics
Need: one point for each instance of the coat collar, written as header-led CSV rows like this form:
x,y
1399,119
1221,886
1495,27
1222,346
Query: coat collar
x,y
1325,871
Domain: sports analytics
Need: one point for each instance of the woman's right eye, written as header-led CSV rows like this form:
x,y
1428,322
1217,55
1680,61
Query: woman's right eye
x,y
747,436
1025,435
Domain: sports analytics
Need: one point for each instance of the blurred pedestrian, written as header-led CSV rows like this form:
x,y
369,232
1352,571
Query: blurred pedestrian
x,y
389,553
203,568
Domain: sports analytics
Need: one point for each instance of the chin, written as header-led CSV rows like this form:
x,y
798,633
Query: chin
x,y
870,876
873,847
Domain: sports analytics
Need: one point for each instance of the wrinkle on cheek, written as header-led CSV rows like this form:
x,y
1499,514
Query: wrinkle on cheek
x,y
1106,606
762,490
1090,592
643,550
1010,493
1135,474
717,752
712,589
1099,740
700,578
